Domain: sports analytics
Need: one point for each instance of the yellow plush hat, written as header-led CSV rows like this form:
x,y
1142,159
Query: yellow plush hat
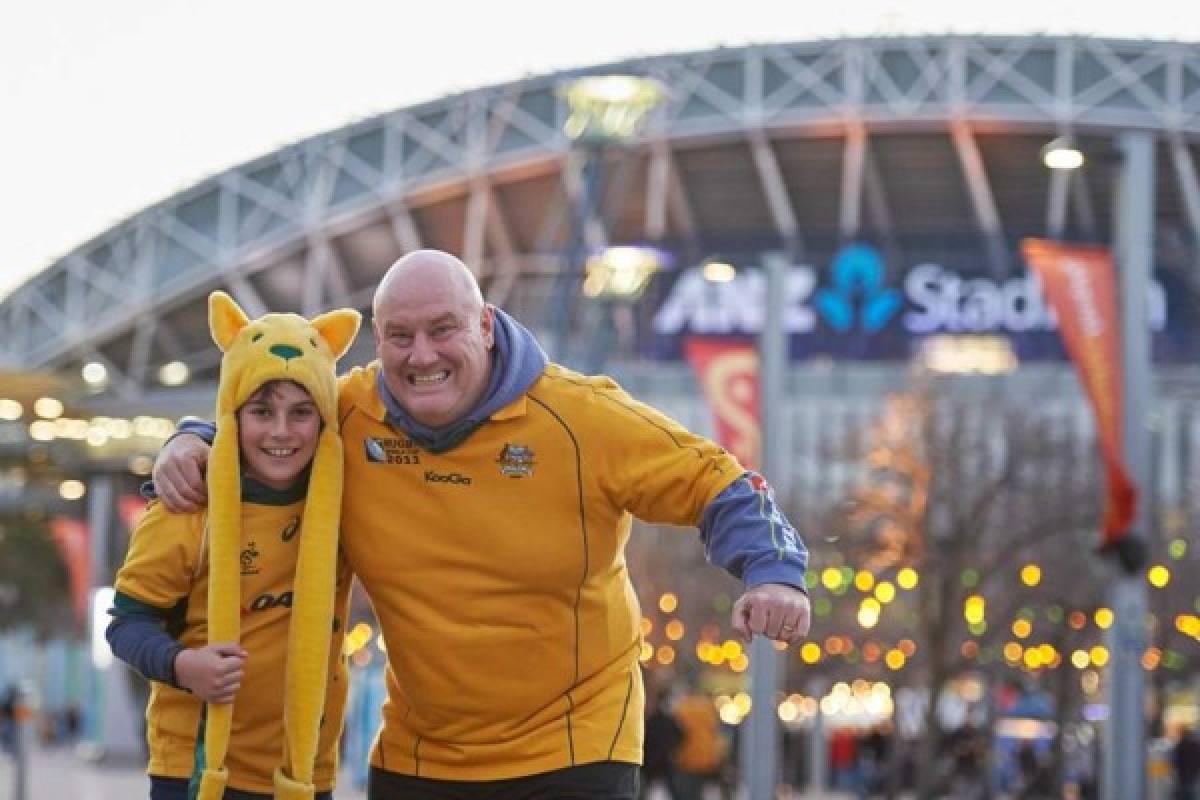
x,y
276,347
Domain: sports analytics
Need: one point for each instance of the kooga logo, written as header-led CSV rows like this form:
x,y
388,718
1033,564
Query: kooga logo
x,y
453,477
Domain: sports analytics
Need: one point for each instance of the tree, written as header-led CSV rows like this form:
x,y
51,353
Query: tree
x,y
33,579
962,488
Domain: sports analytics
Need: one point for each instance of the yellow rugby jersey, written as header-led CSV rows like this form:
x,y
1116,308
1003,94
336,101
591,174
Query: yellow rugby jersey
x,y
497,571
166,569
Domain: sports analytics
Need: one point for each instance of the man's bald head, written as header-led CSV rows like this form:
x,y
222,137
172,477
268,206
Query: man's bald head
x,y
433,336
420,268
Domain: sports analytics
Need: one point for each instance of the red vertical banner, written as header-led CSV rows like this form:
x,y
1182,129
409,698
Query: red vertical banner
x,y
1079,282
130,508
728,373
74,541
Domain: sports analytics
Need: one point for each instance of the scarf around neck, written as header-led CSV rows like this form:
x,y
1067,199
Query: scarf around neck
x,y
517,361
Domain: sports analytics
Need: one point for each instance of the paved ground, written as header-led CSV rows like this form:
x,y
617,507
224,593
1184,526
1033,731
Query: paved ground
x,y
60,774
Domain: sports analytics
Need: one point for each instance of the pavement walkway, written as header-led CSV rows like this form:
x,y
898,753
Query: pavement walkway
x,y
61,774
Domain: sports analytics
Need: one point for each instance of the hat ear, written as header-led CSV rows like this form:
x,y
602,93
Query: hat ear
x,y
338,329
225,319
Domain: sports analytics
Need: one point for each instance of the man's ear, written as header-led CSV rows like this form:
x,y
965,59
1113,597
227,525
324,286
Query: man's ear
x,y
487,325
378,334
225,319
338,329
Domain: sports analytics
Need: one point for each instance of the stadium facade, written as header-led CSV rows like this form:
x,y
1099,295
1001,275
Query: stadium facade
x,y
897,174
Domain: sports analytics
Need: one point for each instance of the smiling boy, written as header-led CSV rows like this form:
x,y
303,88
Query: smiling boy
x,y
167,595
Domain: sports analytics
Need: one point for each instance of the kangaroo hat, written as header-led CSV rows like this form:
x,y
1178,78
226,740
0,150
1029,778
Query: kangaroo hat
x,y
292,348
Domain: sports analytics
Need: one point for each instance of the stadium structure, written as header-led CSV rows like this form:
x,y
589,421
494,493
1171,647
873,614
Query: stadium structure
x,y
915,159
926,147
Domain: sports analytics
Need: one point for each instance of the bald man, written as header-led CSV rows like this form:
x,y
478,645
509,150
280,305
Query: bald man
x,y
488,501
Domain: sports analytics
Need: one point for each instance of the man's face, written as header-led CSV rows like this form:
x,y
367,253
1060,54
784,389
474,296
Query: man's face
x,y
434,344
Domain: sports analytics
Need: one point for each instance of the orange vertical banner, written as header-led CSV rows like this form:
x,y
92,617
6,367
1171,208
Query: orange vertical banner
x,y
1079,282
728,373
73,538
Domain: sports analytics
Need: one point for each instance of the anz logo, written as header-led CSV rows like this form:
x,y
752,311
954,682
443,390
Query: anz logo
x,y
857,297
857,291
928,298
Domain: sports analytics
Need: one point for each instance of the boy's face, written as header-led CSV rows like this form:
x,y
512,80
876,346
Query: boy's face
x,y
277,433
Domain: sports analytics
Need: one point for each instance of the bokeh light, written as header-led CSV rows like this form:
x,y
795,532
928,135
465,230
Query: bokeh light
x,y
1159,576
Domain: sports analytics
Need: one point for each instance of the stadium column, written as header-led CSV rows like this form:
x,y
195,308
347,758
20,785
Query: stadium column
x,y
112,723
760,742
818,741
1125,745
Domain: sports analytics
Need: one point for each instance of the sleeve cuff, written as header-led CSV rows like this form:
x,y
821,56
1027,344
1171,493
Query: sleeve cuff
x,y
172,678
784,574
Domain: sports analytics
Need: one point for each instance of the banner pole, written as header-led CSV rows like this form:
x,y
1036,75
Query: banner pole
x,y
760,741
1125,744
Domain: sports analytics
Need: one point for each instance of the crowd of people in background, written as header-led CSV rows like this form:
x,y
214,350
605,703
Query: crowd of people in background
x,y
1185,761
686,749
690,754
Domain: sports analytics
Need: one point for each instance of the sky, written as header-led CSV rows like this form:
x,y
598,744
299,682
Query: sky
x,y
111,107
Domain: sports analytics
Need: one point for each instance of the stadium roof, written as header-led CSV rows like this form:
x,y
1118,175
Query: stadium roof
x,y
794,146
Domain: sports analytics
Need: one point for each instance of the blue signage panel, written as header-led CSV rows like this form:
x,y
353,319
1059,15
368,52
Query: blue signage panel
x,y
856,308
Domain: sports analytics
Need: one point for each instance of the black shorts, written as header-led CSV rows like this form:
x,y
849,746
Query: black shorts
x,y
177,789
604,780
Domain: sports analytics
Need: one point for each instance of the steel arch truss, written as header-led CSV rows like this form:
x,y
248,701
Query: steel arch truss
x,y
489,174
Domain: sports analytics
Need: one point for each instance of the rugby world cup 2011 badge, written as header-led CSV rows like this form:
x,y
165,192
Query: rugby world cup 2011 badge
x,y
375,451
391,450
516,461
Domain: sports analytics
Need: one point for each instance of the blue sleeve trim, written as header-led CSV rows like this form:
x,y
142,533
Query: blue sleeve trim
x,y
138,636
746,534
199,427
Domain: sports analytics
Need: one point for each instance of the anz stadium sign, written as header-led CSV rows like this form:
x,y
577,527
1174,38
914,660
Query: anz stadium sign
x,y
855,309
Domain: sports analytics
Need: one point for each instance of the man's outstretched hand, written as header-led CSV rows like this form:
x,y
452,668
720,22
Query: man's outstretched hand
x,y
774,610
179,474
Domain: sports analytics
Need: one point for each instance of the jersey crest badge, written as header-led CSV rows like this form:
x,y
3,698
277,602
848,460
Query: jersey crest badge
x,y
516,461
249,559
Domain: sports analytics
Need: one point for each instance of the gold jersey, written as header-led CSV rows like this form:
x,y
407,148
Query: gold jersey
x,y
166,569
497,570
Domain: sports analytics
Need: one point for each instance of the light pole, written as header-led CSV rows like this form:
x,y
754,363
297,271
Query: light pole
x,y
1125,746
1061,153
1062,158
614,279
604,110
1133,249
760,742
